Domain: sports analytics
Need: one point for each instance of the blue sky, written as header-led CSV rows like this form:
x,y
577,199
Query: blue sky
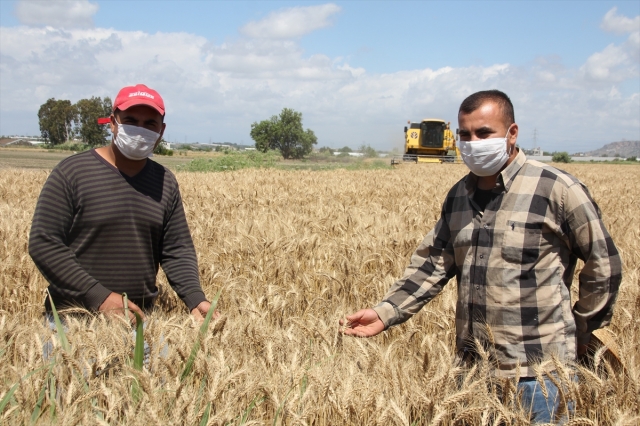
x,y
357,70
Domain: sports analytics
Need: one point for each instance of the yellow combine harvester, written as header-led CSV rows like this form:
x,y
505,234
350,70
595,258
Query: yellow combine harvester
x,y
430,141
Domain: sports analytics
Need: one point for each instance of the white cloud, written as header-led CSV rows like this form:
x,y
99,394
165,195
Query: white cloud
x,y
602,65
291,23
632,46
619,24
56,13
616,63
217,90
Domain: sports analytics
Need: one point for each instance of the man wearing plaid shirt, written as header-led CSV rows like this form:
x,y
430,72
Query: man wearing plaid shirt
x,y
511,232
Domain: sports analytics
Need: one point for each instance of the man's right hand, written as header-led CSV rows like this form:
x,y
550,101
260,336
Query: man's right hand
x,y
113,305
364,323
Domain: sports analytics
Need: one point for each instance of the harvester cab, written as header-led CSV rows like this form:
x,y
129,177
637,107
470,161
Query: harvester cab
x,y
429,141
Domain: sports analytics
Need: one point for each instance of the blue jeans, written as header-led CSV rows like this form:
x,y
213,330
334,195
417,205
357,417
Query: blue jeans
x,y
541,409
47,347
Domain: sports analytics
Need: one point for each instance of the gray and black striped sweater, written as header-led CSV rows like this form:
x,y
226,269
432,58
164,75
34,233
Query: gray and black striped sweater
x,y
97,231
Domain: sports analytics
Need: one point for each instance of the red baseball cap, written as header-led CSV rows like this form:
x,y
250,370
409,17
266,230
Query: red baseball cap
x,y
138,95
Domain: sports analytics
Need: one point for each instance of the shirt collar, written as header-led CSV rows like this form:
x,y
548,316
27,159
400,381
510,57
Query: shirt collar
x,y
511,171
505,178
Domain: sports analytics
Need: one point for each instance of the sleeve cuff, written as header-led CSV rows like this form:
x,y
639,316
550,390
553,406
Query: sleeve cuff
x,y
194,299
95,296
386,312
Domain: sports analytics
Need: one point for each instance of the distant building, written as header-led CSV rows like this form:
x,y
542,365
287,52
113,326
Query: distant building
x,y
21,141
351,154
203,146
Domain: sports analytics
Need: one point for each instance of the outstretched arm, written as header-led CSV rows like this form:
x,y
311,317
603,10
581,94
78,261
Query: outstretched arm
x,y
432,266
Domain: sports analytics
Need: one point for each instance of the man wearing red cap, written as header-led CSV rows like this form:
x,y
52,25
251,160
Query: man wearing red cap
x,y
106,218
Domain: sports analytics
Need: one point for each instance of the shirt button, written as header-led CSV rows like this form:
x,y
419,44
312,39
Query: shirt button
x,y
482,256
477,287
485,226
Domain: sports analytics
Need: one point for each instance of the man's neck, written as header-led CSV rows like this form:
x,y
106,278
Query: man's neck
x,y
487,182
120,162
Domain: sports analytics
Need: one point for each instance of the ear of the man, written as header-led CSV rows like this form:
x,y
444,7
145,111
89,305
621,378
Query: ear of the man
x,y
513,135
113,124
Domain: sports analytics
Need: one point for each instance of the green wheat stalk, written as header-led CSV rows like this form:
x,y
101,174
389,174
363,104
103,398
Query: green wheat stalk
x,y
61,334
138,356
203,330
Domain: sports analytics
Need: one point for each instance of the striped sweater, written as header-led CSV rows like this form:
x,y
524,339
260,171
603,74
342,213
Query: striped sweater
x,y
97,231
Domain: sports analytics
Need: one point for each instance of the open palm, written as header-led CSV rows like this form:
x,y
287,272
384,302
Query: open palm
x,y
364,323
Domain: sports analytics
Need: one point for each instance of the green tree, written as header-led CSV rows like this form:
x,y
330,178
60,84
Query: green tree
x,y
285,134
56,119
561,157
162,149
88,112
368,151
345,149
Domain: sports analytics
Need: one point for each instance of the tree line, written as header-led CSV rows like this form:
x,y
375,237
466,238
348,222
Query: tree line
x,y
61,121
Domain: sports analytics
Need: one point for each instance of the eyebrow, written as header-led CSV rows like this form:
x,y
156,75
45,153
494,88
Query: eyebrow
x,y
149,121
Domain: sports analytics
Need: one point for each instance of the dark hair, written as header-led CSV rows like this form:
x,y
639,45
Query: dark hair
x,y
475,101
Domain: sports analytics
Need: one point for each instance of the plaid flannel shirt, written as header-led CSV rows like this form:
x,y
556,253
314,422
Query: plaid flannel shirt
x,y
514,264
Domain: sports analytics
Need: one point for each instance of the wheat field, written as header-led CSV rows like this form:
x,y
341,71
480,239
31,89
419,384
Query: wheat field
x,y
292,252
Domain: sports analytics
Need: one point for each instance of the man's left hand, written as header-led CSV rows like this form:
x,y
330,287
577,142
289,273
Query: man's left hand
x,y
200,311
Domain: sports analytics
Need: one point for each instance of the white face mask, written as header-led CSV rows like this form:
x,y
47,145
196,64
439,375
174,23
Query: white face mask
x,y
135,143
485,157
